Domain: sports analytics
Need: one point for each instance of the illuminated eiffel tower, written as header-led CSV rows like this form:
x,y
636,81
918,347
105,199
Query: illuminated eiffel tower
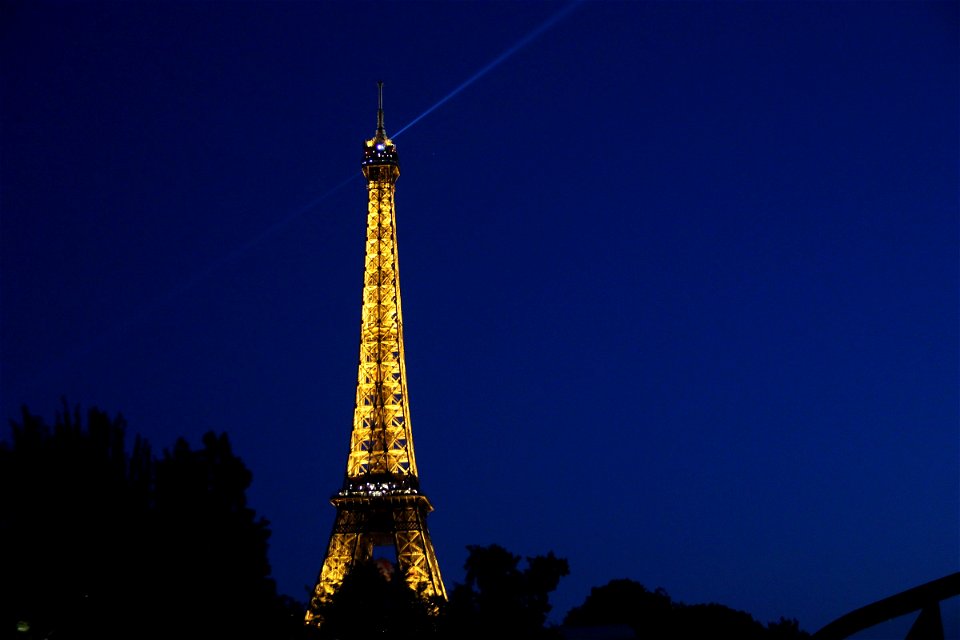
x,y
380,504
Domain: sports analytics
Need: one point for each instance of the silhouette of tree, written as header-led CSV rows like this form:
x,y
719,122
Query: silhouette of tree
x,y
68,516
624,602
101,543
785,629
705,620
213,548
375,602
501,600
653,615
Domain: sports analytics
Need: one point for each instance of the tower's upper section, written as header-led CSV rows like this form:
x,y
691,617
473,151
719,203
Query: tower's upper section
x,y
380,160
381,459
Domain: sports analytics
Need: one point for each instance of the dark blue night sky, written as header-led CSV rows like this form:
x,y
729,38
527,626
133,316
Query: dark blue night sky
x,y
680,279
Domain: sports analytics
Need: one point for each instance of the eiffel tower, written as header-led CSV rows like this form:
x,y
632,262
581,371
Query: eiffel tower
x,y
380,504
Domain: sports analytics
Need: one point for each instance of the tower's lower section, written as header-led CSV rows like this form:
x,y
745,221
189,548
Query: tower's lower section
x,y
367,522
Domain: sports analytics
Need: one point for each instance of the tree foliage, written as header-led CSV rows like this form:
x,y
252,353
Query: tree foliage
x,y
653,615
373,602
624,602
99,542
499,599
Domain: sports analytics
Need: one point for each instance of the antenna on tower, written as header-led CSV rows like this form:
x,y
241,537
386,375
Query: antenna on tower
x,y
381,132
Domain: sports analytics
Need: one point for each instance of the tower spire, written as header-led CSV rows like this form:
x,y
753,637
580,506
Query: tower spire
x,y
381,131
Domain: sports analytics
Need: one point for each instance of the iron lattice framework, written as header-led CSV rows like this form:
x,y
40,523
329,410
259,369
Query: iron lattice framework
x,y
380,504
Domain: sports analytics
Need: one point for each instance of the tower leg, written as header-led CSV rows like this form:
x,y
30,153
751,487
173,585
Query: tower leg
x,y
358,529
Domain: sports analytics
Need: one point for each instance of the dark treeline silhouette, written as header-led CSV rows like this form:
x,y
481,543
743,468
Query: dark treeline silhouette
x,y
101,542
652,614
499,599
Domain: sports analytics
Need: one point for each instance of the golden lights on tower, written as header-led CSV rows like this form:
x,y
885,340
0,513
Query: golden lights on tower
x,y
380,503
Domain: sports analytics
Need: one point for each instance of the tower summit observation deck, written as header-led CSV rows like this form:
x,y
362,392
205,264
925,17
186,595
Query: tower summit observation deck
x,y
380,504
